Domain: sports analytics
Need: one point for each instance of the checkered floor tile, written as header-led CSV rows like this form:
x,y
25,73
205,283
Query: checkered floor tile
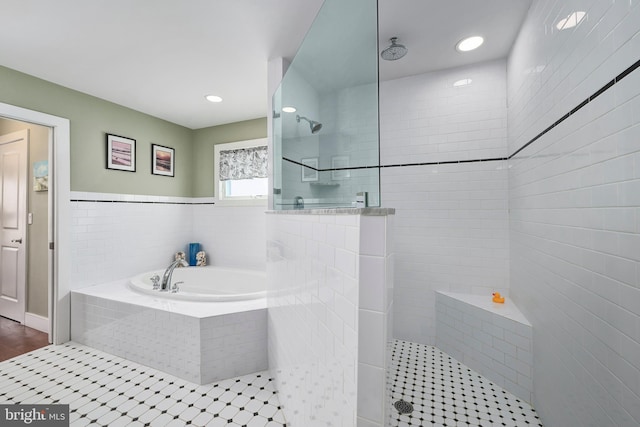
x,y
105,390
444,392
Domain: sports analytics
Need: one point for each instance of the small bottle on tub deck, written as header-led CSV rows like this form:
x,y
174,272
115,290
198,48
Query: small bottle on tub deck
x,y
194,248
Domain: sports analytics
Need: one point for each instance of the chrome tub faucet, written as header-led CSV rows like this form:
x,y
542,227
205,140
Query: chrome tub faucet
x,y
166,277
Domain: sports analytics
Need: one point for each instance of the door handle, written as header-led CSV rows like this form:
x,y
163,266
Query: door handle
x,y
17,240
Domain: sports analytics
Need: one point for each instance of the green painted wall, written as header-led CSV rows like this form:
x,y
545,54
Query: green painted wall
x,y
203,142
91,118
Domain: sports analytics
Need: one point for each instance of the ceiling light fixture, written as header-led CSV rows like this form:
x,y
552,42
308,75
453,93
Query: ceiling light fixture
x,y
289,109
213,98
572,20
462,82
470,43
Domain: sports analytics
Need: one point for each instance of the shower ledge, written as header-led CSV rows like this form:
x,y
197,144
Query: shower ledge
x,y
508,309
493,339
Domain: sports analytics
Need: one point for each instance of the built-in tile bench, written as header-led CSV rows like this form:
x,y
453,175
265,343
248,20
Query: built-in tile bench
x,y
493,339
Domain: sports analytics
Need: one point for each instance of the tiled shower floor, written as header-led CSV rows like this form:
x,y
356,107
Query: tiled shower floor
x,y
105,390
444,392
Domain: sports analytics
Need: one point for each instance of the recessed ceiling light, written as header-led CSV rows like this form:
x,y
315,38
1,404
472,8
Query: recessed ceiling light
x,y
469,43
462,82
571,21
213,98
289,109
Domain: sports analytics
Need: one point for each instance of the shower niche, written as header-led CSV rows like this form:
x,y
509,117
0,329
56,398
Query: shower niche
x,y
325,118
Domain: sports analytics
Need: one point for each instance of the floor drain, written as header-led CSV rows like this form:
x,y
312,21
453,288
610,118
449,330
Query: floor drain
x,y
403,407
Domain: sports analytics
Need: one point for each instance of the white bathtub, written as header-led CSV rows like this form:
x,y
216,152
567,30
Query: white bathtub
x,y
209,283
208,338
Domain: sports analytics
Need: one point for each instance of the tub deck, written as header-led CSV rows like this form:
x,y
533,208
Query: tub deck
x,y
201,342
119,291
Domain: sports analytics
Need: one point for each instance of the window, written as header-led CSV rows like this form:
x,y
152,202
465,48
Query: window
x,y
241,172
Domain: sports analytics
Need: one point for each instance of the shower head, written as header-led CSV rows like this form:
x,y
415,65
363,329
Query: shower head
x,y
393,52
313,125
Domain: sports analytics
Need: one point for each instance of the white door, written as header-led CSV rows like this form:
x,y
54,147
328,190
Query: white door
x,y
13,232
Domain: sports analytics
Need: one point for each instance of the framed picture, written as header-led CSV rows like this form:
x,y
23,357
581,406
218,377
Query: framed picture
x,y
310,173
162,160
121,153
41,175
340,162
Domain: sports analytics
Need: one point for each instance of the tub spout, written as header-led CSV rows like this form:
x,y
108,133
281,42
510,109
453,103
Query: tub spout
x,y
166,277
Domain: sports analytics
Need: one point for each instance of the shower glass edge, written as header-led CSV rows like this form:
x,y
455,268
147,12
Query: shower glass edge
x,y
332,80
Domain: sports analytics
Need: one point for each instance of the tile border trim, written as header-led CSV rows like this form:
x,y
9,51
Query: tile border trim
x,y
95,197
574,110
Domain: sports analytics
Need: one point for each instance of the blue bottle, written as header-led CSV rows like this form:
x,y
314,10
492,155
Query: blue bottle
x,y
194,248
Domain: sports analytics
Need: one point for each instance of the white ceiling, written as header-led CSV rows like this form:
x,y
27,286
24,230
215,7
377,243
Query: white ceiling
x,y
430,29
162,57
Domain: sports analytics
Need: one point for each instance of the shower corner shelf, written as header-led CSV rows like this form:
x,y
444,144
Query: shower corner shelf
x,y
324,184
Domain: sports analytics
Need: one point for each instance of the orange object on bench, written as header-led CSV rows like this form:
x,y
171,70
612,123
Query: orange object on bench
x,y
497,298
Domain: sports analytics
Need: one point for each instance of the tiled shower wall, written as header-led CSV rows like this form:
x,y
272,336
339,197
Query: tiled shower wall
x,y
117,236
451,229
330,281
575,209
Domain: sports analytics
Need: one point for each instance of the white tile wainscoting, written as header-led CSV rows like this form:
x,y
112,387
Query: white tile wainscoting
x,y
199,342
116,236
330,290
491,338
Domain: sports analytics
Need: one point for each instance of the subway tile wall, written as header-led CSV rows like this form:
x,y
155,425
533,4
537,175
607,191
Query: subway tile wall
x,y
451,222
312,273
135,234
451,234
329,301
375,319
425,118
233,236
575,209
116,240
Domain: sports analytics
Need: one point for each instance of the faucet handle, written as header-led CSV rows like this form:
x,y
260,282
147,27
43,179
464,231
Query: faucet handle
x,y
175,288
155,279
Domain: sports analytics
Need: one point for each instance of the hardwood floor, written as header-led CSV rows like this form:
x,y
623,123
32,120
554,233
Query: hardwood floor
x,y
17,339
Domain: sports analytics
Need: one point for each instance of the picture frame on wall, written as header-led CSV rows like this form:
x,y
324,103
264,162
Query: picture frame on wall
x,y
339,162
162,160
309,174
121,153
41,175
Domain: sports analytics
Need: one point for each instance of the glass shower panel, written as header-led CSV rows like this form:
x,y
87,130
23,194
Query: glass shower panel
x,y
326,142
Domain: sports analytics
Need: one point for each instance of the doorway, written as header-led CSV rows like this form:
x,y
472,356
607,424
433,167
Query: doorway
x,y
14,244
24,295
56,263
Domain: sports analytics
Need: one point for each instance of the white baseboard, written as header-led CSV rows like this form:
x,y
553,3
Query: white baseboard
x,y
36,321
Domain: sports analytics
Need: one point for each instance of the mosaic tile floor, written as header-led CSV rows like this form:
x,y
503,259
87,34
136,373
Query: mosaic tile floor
x,y
105,390
444,392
